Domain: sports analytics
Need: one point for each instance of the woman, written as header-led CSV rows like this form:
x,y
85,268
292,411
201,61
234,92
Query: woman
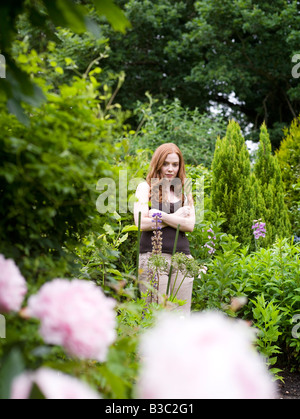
x,y
166,188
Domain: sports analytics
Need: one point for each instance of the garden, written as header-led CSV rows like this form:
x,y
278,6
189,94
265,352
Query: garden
x,y
88,90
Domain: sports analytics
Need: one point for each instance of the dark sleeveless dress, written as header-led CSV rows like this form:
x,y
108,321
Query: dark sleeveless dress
x,y
168,234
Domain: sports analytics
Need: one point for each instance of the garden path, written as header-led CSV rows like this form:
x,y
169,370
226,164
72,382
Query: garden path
x,y
290,389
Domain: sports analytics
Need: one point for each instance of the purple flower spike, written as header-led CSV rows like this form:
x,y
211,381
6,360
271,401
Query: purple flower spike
x,y
259,229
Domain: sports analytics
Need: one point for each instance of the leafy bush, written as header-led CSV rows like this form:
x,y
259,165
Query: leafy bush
x,y
270,279
289,160
267,172
194,133
243,195
49,172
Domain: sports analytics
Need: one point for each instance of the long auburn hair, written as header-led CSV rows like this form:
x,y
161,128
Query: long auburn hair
x,y
156,164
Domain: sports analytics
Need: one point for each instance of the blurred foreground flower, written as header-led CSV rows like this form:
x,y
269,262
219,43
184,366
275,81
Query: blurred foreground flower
x,y
13,286
237,303
204,356
53,385
77,315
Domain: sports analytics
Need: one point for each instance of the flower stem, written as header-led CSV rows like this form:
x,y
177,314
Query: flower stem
x,y
175,282
180,285
138,249
174,251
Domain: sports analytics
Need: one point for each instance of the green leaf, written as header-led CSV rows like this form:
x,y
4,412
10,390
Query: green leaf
x,y
123,238
129,228
12,366
36,393
114,382
15,108
66,13
113,14
109,230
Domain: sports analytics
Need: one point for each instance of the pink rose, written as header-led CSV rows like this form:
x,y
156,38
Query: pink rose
x,y
76,315
13,286
205,355
54,385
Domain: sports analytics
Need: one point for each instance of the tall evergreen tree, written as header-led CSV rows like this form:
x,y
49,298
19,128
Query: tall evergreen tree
x,y
232,184
244,196
267,172
289,159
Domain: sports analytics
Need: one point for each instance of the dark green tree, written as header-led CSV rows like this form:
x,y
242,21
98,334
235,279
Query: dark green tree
x,y
244,195
193,132
234,54
267,172
289,160
232,184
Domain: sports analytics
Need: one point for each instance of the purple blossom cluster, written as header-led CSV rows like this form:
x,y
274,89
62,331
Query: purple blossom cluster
x,y
156,239
211,244
259,229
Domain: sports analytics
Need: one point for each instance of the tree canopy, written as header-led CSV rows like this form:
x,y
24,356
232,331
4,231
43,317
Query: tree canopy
x,y
237,54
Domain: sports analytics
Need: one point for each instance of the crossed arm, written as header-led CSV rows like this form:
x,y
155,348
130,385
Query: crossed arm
x,y
185,216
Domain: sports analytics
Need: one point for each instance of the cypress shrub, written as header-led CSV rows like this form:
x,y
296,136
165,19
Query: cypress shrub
x,y
243,195
289,160
267,172
231,190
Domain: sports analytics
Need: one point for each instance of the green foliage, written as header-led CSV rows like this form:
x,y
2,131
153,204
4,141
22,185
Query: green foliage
x,y
244,196
267,320
12,366
213,290
233,55
194,133
289,159
267,172
143,52
49,171
270,279
231,183
18,88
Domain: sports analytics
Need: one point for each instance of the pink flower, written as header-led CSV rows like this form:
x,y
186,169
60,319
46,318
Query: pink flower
x,y
205,355
76,315
13,286
53,385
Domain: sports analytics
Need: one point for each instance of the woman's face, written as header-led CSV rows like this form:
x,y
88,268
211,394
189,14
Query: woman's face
x,y
170,167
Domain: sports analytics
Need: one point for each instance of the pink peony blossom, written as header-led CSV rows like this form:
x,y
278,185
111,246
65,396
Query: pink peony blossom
x,y
13,286
76,315
54,385
202,356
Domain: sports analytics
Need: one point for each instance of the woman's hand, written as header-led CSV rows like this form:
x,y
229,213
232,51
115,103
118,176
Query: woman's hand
x,y
183,211
154,211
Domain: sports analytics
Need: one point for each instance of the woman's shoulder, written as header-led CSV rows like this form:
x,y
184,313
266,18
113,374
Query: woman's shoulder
x,y
142,187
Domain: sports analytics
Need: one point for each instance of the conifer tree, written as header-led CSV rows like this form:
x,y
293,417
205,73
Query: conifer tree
x,y
232,191
289,159
267,172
